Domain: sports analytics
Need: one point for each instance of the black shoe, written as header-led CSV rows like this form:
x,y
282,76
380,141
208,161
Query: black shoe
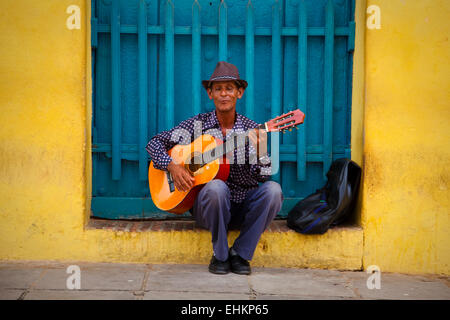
x,y
219,267
239,265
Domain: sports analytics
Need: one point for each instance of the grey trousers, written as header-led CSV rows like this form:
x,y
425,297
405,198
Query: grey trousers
x,y
214,211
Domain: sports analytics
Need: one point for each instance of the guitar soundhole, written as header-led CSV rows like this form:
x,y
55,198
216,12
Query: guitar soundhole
x,y
195,162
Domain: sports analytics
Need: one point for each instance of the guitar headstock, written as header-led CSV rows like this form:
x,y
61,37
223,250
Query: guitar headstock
x,y
286,121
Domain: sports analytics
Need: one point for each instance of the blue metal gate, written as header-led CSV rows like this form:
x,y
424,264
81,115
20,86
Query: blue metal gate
x,y
148,60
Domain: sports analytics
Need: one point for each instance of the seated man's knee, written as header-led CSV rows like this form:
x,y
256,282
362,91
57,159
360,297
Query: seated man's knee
x,y
216,189
212,202
273,191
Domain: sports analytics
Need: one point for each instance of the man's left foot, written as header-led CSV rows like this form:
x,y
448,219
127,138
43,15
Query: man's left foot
x,y
239,265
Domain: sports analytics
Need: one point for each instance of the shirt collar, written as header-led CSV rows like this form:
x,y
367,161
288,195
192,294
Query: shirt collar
x,y
238,124
213,122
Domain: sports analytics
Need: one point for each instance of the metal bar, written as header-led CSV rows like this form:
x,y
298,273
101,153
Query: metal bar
x,y
289,157
276,80
115,88
94,96
250,61
196,56
169,53
351,37
302,88
284,157
143,90
232,31
223,49
94,23
328,88
94,32
94,44
154,69
131,150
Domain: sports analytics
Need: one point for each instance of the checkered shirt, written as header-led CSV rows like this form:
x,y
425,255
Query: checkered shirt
x,y
246,170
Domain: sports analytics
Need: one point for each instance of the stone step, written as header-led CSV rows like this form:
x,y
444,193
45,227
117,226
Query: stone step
x,y
180,241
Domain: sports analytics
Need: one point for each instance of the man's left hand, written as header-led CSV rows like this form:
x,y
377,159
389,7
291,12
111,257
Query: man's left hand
x,y
258,138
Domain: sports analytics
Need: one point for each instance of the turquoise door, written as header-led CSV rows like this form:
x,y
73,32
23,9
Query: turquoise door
x,y
149,57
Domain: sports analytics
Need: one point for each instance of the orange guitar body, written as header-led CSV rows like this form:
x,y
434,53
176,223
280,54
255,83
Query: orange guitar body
x,y
165,196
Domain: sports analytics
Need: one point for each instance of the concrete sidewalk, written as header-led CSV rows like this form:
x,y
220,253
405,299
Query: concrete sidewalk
x,y
48,280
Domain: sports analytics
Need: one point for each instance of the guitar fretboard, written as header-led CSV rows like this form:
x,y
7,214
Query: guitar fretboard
x,y
235,141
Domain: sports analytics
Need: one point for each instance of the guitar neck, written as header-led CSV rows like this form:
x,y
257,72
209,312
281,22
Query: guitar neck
x,y
278,124
231,145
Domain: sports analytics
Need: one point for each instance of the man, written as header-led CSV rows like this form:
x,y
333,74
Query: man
x,y
239,202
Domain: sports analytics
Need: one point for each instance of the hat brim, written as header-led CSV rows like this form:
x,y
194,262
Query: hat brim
x,y
207,83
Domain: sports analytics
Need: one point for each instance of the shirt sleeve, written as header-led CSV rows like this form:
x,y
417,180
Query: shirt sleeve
x,y
260,168
166,140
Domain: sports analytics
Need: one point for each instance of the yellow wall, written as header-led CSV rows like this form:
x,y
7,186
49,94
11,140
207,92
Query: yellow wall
x,y
45,169
42,129
406,205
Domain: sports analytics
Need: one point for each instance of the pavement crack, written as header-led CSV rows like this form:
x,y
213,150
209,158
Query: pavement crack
x,y
139,295
141,292
145,280
349,285
24,294
253,293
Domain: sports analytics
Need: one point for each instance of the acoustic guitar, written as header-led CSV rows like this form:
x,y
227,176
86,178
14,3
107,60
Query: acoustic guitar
x,y
205,158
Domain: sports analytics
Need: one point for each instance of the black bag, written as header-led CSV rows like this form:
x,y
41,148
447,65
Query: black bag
x,y
330,205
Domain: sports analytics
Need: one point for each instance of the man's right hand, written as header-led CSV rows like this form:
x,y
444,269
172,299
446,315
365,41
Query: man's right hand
x,y
182,178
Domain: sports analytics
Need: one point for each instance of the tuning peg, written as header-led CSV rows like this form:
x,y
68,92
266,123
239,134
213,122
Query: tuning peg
x,y
290,129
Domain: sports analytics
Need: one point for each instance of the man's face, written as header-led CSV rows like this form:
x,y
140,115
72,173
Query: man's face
x,y
225,95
